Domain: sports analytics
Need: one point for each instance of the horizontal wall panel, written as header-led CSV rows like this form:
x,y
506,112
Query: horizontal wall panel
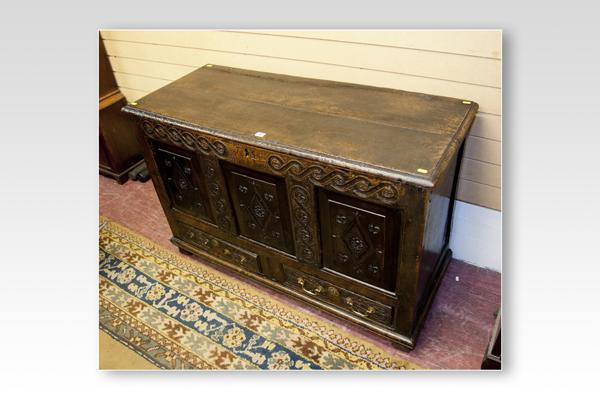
x,y
476,251
446,66
151,69
487,126
132,95
470,42
139,82
489,99
478,194
481,172
489,151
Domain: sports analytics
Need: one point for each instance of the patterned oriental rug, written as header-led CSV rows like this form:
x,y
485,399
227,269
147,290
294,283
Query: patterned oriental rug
x,y
178,314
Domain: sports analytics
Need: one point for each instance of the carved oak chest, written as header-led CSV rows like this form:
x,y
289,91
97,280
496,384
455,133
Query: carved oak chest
x,y
336,194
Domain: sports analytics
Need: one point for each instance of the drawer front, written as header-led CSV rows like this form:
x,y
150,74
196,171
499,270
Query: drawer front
x,y
183,181
261,207
349,301
360,239
221,248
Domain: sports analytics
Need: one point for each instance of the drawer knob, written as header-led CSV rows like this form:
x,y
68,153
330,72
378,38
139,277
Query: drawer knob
x,y
318,290
370,310
226,252
215,243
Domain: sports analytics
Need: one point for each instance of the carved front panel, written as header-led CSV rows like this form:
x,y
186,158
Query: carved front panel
x,y
183,181
261,208
359,239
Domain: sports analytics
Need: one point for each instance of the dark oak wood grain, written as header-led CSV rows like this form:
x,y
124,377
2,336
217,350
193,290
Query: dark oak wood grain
x,y
118,147
345,203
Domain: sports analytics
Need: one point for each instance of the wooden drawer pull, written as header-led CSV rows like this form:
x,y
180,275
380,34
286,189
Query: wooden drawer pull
x,y
370,310
318,290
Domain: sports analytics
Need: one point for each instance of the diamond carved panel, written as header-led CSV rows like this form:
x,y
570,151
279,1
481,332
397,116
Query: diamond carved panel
x,y
183,186
260,206
182,182
259,210
357,241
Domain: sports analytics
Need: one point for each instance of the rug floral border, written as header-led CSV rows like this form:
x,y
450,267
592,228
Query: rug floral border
x,y
166,353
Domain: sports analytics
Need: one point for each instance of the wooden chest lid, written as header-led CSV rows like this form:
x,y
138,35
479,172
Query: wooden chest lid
x,y
404,135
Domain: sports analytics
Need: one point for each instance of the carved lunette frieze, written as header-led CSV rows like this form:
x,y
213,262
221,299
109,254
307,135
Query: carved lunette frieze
x,y
337,179
317,173
178,137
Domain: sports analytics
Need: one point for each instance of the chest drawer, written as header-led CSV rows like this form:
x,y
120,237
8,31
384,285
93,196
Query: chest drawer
x,y
221,248
338,296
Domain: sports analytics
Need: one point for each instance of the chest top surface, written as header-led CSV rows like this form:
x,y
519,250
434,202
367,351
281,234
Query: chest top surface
x,y
389,130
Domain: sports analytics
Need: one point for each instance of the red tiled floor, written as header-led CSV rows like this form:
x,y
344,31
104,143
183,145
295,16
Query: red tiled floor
x,y
455,334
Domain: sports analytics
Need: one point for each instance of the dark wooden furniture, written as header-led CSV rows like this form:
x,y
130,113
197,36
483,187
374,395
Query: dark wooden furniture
x,y
339,195
118,145
492,358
